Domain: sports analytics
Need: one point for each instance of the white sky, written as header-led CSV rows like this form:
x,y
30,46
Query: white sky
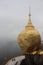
x,y
14,16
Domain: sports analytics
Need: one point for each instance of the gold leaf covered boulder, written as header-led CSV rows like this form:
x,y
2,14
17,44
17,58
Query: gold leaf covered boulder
x,y
29,39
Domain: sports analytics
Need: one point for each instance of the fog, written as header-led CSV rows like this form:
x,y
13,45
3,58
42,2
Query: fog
x,y
13,19
8,50
14,16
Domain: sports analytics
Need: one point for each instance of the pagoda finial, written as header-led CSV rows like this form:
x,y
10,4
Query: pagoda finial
x,y
29,14
29,21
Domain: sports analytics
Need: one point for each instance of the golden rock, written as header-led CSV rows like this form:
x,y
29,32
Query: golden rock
x,y
29,39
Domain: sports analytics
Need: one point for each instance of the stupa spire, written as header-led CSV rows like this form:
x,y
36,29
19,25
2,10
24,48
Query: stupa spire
x,y
29,21
29,14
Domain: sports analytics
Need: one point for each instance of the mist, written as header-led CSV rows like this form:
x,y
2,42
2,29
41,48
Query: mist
x,y
13,19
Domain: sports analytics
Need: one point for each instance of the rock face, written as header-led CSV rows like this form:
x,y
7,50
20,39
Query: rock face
x,y
30,60
33,60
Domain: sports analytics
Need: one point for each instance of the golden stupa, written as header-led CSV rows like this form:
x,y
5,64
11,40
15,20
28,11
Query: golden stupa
x,y
29,39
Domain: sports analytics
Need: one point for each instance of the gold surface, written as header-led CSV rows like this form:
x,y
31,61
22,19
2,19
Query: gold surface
x,y
29,39
36,52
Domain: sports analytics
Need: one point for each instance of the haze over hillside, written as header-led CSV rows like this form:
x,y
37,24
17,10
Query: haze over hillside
x,y
8,48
